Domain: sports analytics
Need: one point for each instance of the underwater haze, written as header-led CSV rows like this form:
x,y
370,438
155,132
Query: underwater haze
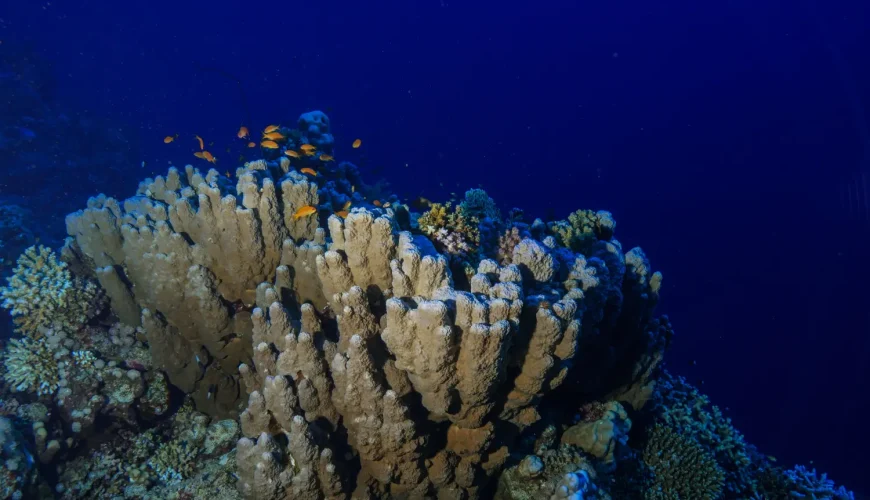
x,y
370,249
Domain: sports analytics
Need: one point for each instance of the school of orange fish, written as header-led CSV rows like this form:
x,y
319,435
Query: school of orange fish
x,y
271,135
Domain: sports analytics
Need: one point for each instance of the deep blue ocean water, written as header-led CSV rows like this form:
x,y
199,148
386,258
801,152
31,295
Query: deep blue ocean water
x,y
729,139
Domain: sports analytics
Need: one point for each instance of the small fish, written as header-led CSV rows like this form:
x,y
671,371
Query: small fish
x,y
309,171
342,214
304,212
346,205
352,188
387,205
273,136
201,144
357,143
271,128
169,138
309,152
243,133
269,144
377,203
292,154
771,458
307,147
241,158
209,157
324,157
251,145
227,173
199,154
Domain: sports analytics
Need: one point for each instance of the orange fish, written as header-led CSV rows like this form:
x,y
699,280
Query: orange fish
x,y
309,152
251,144
201,144
269,144
307,147
324,157
342,214
273,136
309,171
209,157
243,133
377,203
227,173
304,212
346,205
169,138
291,153
271,128
357,143
199,154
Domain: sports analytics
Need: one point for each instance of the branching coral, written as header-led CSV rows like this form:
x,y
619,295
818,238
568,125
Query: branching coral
x,y
681,468
681,406
42,293
454,233
31,366
583,228
478,204
506,244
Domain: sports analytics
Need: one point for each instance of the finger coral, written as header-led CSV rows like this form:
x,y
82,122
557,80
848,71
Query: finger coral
x,y
356,358
42,293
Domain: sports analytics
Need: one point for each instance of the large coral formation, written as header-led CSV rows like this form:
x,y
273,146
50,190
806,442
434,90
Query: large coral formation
x,y
361,355
359,329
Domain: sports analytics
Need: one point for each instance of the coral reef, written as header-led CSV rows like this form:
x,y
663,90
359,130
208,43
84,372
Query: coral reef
x,y
188,455
363,350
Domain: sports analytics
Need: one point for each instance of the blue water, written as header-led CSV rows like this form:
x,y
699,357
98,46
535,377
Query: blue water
x,y
729,139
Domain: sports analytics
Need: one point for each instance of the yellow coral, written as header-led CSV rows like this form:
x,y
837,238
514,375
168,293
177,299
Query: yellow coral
x,y
42,293
583,228
435,219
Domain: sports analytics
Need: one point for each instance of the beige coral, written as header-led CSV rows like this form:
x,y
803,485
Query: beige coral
x,y
43,294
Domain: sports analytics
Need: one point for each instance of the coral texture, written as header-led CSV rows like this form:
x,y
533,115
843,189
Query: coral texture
x,y
681,468
42,293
